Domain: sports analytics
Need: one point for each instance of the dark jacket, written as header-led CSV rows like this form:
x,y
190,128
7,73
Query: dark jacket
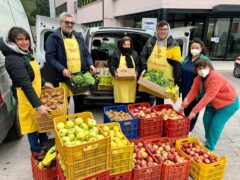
x,y
113,63
173,56
56,55
21,72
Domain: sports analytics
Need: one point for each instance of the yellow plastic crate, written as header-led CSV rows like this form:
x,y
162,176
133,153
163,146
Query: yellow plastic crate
x,y
45,123
121,157
202,171
82,161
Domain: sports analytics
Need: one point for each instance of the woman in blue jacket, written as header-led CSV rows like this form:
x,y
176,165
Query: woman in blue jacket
x,y
196,51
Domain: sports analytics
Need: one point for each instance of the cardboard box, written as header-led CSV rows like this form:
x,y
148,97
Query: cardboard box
x,y
101,64
126,73
100,87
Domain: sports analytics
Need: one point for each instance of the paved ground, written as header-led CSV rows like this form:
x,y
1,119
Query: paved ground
x,y
15,156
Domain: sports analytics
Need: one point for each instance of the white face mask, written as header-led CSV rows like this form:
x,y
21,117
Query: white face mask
x,y
195,52
203,72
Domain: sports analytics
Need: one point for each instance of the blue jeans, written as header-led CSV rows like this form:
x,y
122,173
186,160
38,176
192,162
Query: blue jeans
x,y
37,141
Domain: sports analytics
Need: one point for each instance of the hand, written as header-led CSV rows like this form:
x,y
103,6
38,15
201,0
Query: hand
x,y
192,115
48,85
43,110
66,73
181,109
93,69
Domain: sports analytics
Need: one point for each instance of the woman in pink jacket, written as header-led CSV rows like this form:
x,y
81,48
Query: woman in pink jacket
x,y
217,95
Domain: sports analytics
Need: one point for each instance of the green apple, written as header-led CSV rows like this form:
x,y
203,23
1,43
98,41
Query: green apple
x,y
99,136
113,144
68,144
69,124
92,134
84,126
91,122
105,128
105,133
116,128
71,137
119,135
95,129
124,141
65,139
91,139
71,131
76,143
116,139
81,135
60,125
112,133
77,129
78,121
63,132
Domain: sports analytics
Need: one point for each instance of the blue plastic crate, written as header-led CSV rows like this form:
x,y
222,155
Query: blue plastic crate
x,y
128,127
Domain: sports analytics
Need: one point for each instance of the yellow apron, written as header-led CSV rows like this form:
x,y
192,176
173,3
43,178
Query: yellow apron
x,y
73,56
158,61
124,90
24,106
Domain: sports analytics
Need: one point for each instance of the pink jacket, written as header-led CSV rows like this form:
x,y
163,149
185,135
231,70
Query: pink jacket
x,y
218,91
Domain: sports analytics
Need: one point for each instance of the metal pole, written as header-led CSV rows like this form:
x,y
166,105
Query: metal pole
x,y
52,8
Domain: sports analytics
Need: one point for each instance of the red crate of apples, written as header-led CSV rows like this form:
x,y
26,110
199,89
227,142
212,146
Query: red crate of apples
x,y
174,123
174,166
145,167
150,124
122,176
205,165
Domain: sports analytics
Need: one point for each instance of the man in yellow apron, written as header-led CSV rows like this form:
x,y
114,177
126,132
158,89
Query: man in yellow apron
x,y
67,53
25,75
162,53
124,90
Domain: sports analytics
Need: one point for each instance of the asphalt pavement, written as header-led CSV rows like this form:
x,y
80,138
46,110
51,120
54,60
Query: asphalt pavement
x,y
15,161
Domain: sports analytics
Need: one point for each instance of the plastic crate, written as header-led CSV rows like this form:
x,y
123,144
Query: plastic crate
x,y
178,171
85,159
148,127
122,176
202,171
121,157
174,139
43,174
128,127
149,173
100,176
174,127
45,123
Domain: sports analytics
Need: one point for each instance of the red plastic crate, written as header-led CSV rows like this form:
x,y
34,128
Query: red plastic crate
x,y
122,176
174,127
174,139
179,171
100,176
42,174
149,173
148,127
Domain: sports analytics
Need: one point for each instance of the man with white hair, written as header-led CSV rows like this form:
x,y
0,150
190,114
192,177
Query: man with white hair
x,y
67,53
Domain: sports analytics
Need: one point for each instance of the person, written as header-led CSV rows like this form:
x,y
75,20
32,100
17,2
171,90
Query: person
x,y
67,53
24,71
219,99
124,57
162,53
196,51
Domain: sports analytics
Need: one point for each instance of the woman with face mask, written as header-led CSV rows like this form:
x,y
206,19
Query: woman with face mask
x,y
124,57
218,97
196,51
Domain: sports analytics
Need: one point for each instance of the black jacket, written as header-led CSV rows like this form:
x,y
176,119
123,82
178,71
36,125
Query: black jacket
x,y
113,63
173,51
56,56
21,72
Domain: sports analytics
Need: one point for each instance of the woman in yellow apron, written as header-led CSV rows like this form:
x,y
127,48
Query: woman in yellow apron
x,y
125,57
25,74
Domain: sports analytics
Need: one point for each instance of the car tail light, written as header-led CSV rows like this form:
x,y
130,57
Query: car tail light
x,y
1,99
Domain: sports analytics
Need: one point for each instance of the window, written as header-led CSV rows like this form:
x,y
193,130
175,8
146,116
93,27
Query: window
x,y
61,8
93,24
84,2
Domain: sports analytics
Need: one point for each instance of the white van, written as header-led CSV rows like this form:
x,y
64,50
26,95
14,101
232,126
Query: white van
x,y
101,42
12,14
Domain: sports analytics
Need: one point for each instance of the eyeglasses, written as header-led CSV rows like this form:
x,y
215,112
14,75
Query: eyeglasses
x,y
69,22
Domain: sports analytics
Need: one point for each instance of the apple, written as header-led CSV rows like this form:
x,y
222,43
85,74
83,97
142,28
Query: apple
x,y
140,144
71,137
81,135
95,129
65,139
84,126
60,125
99,137
91,122
91,139
92,134
119,135
69,124
116,128
62,132
78,121
71,131
106,129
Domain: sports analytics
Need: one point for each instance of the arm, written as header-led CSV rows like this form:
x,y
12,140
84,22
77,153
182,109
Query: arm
x,y
112,63
177,71
52,54
213,87
136,60
144,56
18,72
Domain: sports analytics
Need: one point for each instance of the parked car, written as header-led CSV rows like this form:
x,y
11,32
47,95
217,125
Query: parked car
x,y
236,70
101,42
12,14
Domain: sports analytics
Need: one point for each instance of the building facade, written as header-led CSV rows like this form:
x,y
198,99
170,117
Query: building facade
x,y
215,22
